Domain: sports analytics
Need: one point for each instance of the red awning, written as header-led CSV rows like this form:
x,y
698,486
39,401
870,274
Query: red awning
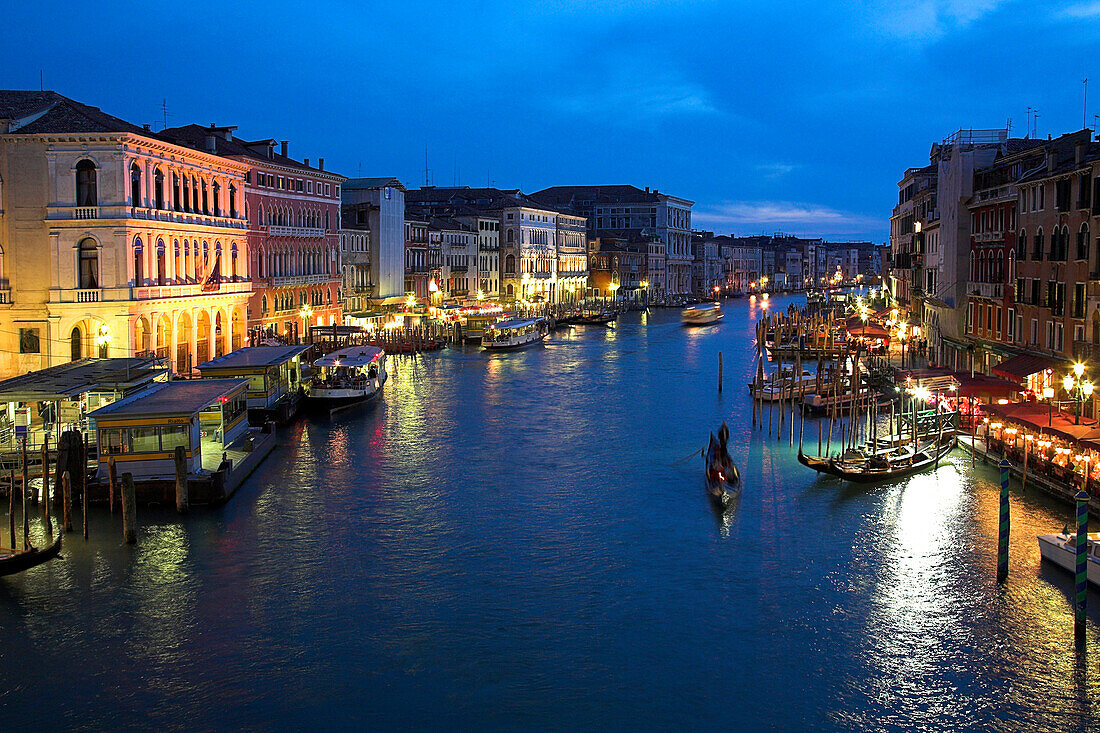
x,y
1041,418
1020,367
982,386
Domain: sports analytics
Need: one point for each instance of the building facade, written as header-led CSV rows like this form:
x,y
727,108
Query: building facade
x,y
384,199
116,241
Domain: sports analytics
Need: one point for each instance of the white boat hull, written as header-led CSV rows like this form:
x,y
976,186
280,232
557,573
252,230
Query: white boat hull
x,y
332,399
515,343
1053,547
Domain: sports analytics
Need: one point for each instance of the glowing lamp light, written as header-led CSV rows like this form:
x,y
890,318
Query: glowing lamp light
x,y
1087,388
433,287
1078,369
1067,383
1002,401
410,302
1048,393
103,336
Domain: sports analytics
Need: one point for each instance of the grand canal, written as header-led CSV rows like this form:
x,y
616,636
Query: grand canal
x,y
514,541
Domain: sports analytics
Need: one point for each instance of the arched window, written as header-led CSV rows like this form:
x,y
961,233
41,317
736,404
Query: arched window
x,y
139,263
1037,246
1021,245
186,194
217,202
205,198
177,262
135,185
86,184
232,201
510,265
158,187
162,265
176,192
195,195
89,264
263,305
233,263
1083,242
76,346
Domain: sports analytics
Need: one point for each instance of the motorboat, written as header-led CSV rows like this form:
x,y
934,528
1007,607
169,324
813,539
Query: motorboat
x,y
514,334
784,386
1061,549
347,377
702,314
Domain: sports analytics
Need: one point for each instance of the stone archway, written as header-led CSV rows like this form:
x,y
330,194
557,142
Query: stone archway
x,y
219,334
202,338
183,344
237,330
164,336
141,335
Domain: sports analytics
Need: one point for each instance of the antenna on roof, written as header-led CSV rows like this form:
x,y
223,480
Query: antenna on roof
x,y
1085,103
425,164
164,113
41,81
1008,127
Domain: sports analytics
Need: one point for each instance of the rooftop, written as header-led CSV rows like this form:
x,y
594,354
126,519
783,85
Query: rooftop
x,y
66,381
31,112
256,356
225,144
187,397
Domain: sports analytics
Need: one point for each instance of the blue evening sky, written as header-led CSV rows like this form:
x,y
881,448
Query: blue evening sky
x,y
777,115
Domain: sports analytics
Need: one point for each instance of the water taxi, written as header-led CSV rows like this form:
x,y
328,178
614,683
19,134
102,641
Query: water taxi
x,y
702,314
1061,549
347,377
515,333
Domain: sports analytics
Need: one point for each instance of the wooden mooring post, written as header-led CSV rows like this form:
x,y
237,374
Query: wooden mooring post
x,y
11,513
129,510
112,482
1080,606
181,480
67,501
1003,527
719,371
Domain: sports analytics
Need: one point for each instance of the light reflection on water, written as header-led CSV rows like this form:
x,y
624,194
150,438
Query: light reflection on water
x,y
516,540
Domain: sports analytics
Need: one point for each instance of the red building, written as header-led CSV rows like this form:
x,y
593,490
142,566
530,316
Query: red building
x,y
293,212
990,325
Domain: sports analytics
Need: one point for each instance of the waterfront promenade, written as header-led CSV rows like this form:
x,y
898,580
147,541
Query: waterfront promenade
x,y
515,541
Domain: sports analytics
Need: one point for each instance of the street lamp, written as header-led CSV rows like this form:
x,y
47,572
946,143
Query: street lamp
x,y
1078,389
1048,395
103,340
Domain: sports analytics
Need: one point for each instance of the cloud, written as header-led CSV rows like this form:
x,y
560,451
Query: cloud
x,y
1083,10
928,20
640,99
775,170
785,215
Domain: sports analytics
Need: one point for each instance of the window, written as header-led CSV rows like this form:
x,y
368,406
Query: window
x,y
1083,242
86,184
89,264
216,189
176,192
205,199
174,435
158,188
1010,324
1037,246
232,201
1034,332
135,185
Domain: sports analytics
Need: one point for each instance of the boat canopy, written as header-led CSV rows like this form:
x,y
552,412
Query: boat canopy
x,y
352,356
514,324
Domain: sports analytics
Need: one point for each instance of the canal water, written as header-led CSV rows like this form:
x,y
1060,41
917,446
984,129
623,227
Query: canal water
x,y
516,540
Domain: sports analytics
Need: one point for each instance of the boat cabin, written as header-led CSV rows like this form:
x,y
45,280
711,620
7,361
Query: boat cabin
x,y
141,431
274,375
515,332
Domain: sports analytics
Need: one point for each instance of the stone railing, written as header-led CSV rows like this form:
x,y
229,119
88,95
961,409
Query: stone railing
x,y
281,231
988,290
139,212
285,281
86,212
159,292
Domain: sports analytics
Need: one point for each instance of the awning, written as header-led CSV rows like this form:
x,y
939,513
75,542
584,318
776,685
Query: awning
x,y
1021,367
1042,418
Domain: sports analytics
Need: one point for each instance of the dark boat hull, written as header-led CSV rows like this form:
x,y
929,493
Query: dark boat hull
x,y
929,457
21,561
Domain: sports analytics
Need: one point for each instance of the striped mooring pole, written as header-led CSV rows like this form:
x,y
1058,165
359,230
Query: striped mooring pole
x,y
1002,531
1082,561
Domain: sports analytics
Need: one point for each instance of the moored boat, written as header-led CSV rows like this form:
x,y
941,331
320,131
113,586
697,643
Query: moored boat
x,y
12,562
515,333
860,467
348,377
1061,549
702,314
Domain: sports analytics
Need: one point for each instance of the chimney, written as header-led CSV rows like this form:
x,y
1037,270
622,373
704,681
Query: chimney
x,y
320,164
647,189
146,127
305,162
284,144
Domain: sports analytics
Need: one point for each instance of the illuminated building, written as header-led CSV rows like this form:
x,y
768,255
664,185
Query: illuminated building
x,y
116,241
293,212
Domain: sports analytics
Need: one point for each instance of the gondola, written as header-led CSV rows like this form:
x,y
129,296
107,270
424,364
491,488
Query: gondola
x,y
881,466
603,318
723,480
16,562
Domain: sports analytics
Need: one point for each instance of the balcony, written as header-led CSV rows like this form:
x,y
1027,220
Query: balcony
x,y
310,232
289,281
458,268
161,292
989,237
993,291
101,213
416,269
1084,351
5,296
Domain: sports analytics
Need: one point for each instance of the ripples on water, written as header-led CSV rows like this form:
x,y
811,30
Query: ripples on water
x,y
512,540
